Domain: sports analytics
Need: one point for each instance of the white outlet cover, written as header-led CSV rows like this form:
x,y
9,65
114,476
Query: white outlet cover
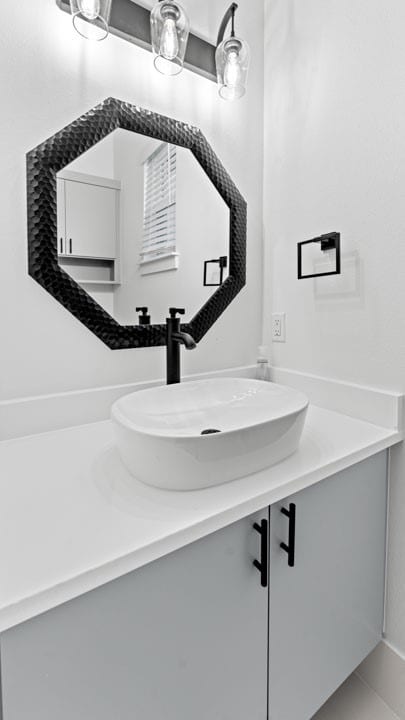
x,y
278,327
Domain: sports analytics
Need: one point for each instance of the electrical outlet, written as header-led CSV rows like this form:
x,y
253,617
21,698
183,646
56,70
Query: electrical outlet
x,y
278,327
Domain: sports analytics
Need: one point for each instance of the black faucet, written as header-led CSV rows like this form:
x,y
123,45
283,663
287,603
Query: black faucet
x,y
174,338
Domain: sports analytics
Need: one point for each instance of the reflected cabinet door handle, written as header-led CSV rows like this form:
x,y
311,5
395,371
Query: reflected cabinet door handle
x,y
70,245
290,548
61,245
262,566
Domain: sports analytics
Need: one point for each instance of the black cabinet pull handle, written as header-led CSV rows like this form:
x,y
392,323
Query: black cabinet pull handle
x,y
290,548
70,245
61,245
262,566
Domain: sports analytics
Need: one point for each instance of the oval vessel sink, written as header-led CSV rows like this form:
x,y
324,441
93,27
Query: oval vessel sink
x,y
207,432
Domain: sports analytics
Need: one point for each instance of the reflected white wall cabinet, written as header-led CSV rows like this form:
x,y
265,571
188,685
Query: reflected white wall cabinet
x,y
88,216
190,635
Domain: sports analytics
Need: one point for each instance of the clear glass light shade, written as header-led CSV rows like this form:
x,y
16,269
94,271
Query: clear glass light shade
x,y
169,29
232,61
91,18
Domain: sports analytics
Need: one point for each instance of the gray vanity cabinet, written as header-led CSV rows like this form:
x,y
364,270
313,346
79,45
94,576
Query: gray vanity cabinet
x,y
183,638
326,612
195,635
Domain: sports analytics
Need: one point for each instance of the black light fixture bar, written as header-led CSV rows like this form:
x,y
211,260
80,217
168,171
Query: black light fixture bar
x,y
229,15
131,22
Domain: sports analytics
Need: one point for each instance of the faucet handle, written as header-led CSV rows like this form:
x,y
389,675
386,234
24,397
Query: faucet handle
x,y
176,311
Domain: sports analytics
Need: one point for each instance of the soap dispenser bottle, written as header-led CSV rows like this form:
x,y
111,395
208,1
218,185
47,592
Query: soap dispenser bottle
x,y
144,318
262,367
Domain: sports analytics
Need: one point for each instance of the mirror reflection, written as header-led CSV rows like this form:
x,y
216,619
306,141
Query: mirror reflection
x,y
141,226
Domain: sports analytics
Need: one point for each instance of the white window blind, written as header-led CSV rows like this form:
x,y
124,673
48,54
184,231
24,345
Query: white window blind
x,y
159,217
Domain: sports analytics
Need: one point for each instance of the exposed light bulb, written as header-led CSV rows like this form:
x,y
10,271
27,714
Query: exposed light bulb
x,y
231,59
89,8
169,43
232,70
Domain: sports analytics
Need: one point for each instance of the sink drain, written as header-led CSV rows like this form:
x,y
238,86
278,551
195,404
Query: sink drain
x,y
210,431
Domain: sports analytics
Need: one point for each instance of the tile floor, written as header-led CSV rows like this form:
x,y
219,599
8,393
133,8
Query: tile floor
x,y
355,701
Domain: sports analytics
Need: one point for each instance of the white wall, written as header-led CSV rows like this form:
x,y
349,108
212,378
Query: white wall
x,y
335,160
99,160
49,76
130,152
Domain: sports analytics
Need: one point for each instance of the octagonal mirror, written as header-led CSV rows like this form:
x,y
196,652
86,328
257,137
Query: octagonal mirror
x,y
130,213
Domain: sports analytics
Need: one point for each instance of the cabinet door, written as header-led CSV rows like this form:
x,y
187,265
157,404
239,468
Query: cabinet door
x,y
326,612
91,220
61,220
183,638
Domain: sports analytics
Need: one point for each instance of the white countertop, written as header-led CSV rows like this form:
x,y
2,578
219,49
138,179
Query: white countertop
x,y
72,518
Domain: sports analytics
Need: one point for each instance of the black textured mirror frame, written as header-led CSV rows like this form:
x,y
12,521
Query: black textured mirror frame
x,y
47,159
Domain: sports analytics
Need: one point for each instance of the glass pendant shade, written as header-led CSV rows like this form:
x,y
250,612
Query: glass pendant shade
x,y
169,29
232,61
91,18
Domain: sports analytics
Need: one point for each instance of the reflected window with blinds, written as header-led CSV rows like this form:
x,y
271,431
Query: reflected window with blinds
x,y
158,253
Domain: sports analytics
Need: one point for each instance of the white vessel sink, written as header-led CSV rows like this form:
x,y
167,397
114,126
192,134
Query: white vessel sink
x,y
159,431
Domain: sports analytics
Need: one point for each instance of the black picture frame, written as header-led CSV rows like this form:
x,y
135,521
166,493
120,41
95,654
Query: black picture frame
x,y
329,241
48,158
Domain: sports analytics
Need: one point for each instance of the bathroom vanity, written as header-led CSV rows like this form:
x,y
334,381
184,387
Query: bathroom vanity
x,y
144,603
248,600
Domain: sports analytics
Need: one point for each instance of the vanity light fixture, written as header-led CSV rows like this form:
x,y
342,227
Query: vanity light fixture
x,y
232,60
165,30
91,18
170,28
